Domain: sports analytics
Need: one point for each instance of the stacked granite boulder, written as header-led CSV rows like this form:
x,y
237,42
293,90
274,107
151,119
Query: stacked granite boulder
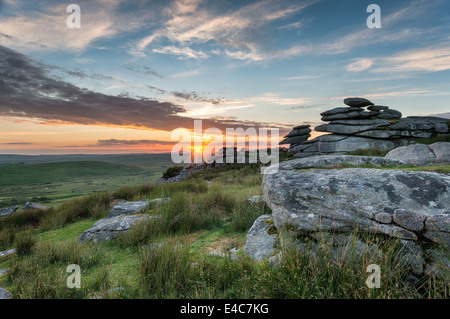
x,y
379,127
297,136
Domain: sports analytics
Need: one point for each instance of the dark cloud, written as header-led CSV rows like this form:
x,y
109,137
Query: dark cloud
x,y
144,70
196,97
303,107
28,91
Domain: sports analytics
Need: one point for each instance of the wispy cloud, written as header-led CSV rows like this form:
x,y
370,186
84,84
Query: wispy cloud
x,y
431,59
238,32
184,52
114,142
45,29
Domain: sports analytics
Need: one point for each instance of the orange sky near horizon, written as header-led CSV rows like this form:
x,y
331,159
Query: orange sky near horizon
x,y
33,138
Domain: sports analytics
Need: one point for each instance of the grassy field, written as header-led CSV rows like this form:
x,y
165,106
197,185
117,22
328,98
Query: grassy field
x,y
170,256
50,180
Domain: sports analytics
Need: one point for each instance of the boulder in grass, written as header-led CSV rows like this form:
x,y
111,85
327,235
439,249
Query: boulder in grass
x,y
262,239
8,211
133,207
110,228
32,205
348,200
5,294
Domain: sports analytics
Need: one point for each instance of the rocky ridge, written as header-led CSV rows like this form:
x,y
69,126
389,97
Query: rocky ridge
x,y
353,127
312,200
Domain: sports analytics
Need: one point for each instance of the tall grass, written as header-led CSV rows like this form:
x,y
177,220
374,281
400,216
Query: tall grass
x,y
42,275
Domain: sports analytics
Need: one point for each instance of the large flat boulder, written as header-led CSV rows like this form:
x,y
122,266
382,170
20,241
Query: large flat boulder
x,y
340,144
133,207
393,202
110,228
421,154
335,160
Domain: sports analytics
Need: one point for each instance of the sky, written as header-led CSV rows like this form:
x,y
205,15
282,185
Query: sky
x,y
135,71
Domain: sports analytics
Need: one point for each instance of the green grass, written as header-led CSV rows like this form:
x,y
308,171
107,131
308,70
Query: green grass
x,y
62,171
169,257
52,183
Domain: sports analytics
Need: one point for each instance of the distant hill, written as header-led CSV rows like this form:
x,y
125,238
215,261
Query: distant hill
x,y
61,171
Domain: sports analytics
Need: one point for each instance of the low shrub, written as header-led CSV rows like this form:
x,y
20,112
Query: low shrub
x,y
172,171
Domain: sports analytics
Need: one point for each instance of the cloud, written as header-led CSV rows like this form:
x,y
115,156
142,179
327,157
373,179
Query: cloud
x,y
18,143
194,96
116,142
28,92
359,65
183,52
241,32
143,69
431,59
391,31
31,29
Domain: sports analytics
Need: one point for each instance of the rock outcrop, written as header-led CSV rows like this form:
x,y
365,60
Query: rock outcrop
x,y
297,136
324,211
110,228
32,205
5,294
421,154
8,210
134,207
360,199
262,239
353,128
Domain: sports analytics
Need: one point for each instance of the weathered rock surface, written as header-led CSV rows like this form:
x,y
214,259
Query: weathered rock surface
x,y
261,242
32,205
254,199
335,160
110,228
134,207
346,200
8,211
357,101
297,136
421,154
7,252
5,294
341,144
354,128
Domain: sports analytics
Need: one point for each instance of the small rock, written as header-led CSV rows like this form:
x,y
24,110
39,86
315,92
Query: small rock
x,y
384,218
357,101
8,211
31,205
7,252
377,107
254,199
408,220
261,242
5,294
